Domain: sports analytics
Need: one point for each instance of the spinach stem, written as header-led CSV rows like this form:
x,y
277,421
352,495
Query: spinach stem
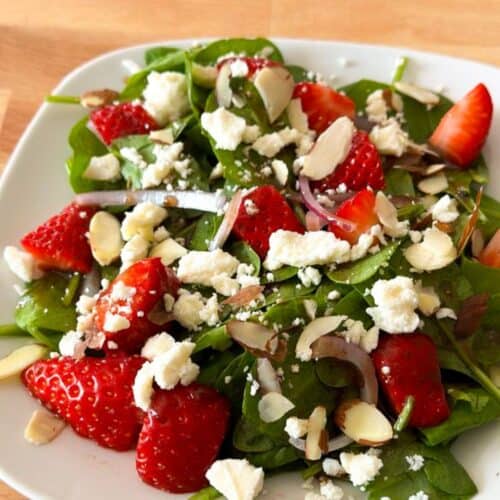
x,y
42,338
480,375
63,99
400,69
69,293
12,330
405,415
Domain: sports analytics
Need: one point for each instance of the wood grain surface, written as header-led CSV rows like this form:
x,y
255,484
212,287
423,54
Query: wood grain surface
x,y
42,41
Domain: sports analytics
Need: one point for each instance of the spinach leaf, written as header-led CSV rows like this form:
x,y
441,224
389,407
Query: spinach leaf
x,y
246,254
277,457
353,306
288,290
482,278
492,317
410,211
279,275
283,315
477,400
85,145
299,74
449,360
172,61
215,338
360,90
212,367
321,296
361,270
247,438
153,54
205,229
490,208
486,344
462,417
41,309
208,493
336,373
399,182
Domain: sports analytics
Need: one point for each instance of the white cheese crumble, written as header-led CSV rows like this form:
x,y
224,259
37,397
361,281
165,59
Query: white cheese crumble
x,y
356,333
330,491
362,467
415,462
22,264
269,145
419,495
396,301
250,207
169,251
301,250
134,250
142,220
142,389
332,467
296,427
133,156
445,210
225,128
192,309
103,168
376,107
309,276
389,138
239,68
115,322
236,479
73,345
165,96
280,171
446,312
167,160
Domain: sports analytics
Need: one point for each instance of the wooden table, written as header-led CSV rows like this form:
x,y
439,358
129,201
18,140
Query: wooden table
x,y
41,42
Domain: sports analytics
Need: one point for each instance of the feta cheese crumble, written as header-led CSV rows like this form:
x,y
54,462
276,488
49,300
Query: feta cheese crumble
x,y
415,462
225,128
103,168
445,210
396,301
142,220
332,467
389,138
296,427
362,467
309,276
376,107
419,495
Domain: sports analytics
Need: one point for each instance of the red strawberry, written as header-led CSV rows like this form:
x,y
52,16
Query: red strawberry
x,y
254,64
181,437
264,213
118,120
322,104
462,131
490,256
60,242
407,365
148,281
359,209
94,395
361,168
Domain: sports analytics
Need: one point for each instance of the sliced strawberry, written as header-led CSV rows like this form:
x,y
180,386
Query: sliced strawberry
x,y
93,395
181,437
362,167
262,212
462,131
490,256
254,64
407,365
322,104
60,242
146,282
359,209
119,120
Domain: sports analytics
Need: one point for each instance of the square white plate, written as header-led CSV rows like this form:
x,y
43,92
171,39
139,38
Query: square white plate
x,y
34,186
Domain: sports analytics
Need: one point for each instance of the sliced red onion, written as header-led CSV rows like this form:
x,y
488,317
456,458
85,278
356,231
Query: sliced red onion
x,y
314,222
336,347
313,204
244,296
336,443
227,223
197,200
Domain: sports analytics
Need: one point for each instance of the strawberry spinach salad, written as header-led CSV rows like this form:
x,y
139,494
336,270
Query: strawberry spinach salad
x,y
262,273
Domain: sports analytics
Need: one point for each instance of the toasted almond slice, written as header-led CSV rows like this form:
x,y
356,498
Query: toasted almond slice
x,y
223,92
43,427
313,331
267,376
163,136
433,185
97,98
477,242
428,300
435,251
310,306
204,76
105,238
316,434
388,216
253,336
330,149
418,93
297,117
434,168
21,358
272,406
275,86
363,422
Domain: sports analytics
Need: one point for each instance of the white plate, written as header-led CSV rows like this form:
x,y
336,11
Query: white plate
x,y
34,186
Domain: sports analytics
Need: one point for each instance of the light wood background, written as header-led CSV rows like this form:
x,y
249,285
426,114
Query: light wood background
x,y
41,41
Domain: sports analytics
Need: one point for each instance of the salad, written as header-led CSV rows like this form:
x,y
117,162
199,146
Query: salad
x,y
260,273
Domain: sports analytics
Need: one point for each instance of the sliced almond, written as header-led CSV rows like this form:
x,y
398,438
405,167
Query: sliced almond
x,y
315,440
418,93
97,98
21,358
297,117
428,300
435,251
223,92
267,376
163,136
280,171
43,427
330,149
169,251
388,216
244,296
204,76
433,185
105,238
275,86
311,306
477,242
313,331
273,406
363,422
